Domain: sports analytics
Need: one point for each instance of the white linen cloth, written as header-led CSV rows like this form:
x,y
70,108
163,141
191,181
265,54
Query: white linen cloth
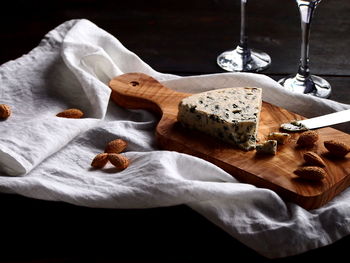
x,y
46,157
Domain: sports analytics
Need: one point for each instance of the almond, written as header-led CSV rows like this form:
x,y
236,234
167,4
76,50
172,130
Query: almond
x,y
312,158
5,111
311,173
116,146
100,160
71,113
118,160
337,148
307,139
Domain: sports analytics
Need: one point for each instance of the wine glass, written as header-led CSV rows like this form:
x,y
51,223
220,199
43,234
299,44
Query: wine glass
x,y
243,58
303,81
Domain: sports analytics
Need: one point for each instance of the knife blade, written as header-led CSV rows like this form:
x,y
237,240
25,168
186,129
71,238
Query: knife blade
x,y
318,122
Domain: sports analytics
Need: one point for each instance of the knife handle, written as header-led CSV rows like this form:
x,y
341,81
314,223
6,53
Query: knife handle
x,y
327,120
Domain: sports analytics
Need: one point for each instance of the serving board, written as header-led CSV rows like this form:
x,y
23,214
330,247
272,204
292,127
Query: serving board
x,y
140,91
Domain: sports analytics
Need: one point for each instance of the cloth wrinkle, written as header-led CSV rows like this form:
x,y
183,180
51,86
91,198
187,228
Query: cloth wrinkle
x,y
46,157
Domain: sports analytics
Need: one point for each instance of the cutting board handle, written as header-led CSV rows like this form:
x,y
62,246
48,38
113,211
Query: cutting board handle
x,y
140,91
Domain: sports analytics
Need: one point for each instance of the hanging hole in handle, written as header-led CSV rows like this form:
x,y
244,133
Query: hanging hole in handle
x,y
134,83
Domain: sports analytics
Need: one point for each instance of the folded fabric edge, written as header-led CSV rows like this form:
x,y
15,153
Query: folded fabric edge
x,y
9,162
312,245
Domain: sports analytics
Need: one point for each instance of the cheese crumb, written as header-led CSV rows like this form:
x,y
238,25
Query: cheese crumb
x,y
280,137
268,147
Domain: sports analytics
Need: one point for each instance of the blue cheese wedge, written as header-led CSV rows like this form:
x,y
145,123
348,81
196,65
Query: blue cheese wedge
x,y
268,147
230,114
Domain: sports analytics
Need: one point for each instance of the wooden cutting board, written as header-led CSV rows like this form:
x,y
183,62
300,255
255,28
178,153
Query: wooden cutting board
x,y
139,91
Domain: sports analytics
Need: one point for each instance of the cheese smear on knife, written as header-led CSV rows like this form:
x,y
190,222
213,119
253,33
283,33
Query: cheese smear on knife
x,y
230,114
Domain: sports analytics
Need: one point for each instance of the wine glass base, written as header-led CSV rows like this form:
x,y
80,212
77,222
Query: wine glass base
x,y
314,85
237,60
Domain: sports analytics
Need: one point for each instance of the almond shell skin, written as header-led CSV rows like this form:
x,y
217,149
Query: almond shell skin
x,y
100,160
119,161
336,148
5,111
313,159
313,173
71,113
116,146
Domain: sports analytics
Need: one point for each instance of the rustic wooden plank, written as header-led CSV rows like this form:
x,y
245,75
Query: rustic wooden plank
x,y
176,39
204,28
171,35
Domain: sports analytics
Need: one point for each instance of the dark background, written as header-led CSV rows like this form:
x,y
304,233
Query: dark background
x,y
184,37
180,37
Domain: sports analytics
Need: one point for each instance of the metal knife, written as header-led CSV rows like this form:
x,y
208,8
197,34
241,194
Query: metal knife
x,y
318,122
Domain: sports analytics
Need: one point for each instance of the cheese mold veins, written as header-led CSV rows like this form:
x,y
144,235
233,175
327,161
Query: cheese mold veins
x,y
230,114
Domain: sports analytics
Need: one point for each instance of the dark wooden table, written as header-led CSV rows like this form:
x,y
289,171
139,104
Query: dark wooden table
x,y
173,36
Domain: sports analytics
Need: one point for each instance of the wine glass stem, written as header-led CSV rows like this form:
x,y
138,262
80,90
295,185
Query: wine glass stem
x,y
243,36
306,9
304,60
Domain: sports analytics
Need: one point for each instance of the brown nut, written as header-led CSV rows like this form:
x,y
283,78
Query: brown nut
x,y
313,173
336,148
118,160
5,111
116,146
313,159
307,139
100,160
71,113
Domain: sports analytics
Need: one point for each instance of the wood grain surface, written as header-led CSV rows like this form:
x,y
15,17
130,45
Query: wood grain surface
x,y
178,37
186,41
139,91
